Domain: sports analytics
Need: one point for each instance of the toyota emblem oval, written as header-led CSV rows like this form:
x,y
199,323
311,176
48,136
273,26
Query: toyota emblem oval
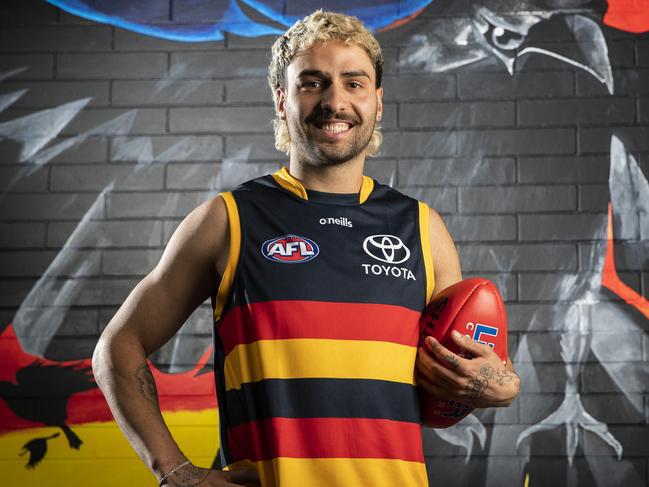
x,y
386,248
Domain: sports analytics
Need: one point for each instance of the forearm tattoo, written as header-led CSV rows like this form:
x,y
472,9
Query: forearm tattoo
x,y
147,383
189,476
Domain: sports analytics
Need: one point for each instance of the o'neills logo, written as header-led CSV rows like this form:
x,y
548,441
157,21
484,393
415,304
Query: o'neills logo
x,y
290,249
342,221
389,249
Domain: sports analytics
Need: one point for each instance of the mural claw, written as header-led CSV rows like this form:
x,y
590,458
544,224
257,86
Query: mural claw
x,y
462,433
573,416
37,448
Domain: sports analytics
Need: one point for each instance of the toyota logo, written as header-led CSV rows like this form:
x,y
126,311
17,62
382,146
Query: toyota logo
x,y
386,248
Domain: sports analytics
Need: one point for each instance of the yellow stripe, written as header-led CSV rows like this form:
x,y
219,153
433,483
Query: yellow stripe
x,y
366,189
311,358
424,233
330,472
233,255
289,183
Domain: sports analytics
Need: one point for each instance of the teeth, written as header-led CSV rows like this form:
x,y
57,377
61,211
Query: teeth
x,y
335,127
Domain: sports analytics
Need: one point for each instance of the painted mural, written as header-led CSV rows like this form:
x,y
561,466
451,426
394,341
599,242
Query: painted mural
x,y
207,20
592,302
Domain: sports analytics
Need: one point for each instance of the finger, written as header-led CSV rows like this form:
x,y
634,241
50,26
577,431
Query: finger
x,y
430,387
435,371
243,476
469,395
444,355
467,343
436,390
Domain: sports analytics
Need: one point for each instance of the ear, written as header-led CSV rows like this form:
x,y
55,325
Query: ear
x,y
379,102
280,97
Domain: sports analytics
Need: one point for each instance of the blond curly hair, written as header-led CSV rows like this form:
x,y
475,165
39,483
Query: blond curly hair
x,y
320,26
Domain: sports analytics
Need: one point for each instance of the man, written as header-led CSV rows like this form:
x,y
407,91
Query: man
x,y
318,277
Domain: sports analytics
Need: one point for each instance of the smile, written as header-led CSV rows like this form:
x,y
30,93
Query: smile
x,y
336,128
333,127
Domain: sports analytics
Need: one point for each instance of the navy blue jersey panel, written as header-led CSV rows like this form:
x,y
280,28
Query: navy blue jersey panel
x,y
322,398
328,249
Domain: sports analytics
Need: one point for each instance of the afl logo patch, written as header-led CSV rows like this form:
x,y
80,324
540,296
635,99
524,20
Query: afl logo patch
x,y
386,248
290,249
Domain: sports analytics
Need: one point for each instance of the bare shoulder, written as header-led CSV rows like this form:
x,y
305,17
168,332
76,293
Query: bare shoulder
x,y
203,235
440,238
186,275
446,262
435,219
210,214
193,261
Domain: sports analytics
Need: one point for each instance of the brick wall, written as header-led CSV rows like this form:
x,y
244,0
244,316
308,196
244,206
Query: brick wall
x,y
517,165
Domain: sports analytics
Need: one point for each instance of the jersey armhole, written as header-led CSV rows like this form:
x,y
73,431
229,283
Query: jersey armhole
x,y
225,287
424,238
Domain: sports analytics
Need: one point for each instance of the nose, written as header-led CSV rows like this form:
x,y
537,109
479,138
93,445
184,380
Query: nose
x,y
334,98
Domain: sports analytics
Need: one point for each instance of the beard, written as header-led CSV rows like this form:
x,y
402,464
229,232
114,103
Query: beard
x,y
318,152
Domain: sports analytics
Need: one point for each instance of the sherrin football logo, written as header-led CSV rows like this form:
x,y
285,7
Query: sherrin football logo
x,y
290,249
482,333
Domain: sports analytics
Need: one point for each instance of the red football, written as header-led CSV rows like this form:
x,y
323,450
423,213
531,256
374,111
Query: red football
x,y
475,308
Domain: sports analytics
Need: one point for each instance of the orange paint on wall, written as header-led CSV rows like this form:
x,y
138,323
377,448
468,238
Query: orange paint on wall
x,y
610,278
628,15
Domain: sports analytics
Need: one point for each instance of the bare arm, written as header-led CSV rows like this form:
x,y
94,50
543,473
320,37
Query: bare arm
x,y
481,382
186,275
446,263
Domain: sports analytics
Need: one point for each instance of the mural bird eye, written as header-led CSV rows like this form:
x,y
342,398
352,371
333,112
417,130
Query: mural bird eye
x,y
503,37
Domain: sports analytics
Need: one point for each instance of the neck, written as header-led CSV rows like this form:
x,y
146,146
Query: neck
x,y
340,178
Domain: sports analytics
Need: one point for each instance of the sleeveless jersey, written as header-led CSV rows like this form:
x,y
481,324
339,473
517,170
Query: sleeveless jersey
x,y
316,333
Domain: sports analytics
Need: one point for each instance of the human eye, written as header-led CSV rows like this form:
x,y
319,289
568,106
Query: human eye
x,y
311,84
355,84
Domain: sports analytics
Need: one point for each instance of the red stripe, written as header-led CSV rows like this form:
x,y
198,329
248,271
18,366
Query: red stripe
x,y
326,438
315,319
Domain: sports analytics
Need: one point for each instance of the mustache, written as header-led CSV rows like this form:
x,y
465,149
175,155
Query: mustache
x,y
321,117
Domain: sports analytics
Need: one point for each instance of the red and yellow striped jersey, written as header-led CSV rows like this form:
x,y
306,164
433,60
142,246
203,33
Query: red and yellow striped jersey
x,y
316,332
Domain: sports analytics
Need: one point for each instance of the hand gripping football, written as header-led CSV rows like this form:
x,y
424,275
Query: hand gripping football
x,y
475,308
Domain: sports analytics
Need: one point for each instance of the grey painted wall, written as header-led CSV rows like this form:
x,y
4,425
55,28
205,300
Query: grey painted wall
x,y
108,138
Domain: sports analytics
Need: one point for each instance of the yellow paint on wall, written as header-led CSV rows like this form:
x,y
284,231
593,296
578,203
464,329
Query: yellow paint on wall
x,y
105,457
